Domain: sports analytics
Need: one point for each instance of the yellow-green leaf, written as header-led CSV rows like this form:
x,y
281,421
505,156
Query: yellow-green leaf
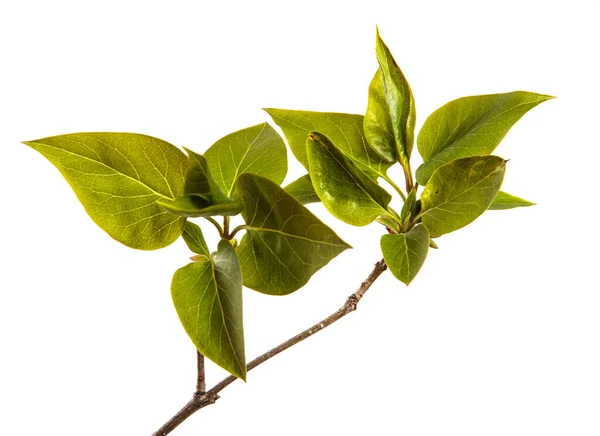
x,y
405,253
284,243
119,178
458,192
194,206
390,119
303,190
193,237
199,180
344,130
208,298
346,192
470,126
507,201
258,149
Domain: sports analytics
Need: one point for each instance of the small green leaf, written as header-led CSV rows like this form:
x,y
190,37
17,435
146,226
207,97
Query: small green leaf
x,y
284,244
258,149
389,223
199,180
302,189
208,298
346,192
193,237
344,130
470,126
194,206
405,253
507,201
459,192
409,208
390,119
119,178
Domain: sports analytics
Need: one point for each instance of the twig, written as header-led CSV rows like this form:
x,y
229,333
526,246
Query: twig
x,y
202,399
201,383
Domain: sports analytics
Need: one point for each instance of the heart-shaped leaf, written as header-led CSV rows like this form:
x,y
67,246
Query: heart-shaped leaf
x,y
302,189
405,253
193,237
459,192
120,178
390,119
344,130
284,244
470,126
507,201
346,192
208,298
258,149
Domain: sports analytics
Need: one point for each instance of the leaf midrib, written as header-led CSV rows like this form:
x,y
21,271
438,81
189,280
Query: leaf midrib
x,y
104,165
223,317
481,121
357,182
281,232
450,200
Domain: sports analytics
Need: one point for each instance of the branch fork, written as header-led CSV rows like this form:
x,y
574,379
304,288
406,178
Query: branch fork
x,y
203,398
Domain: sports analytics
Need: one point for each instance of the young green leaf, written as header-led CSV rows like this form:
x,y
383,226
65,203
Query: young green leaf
x,y
459,192
390,119
302,188
258,150
194,206
409,208
193,237
405,253
344,130
199,180
507,201
346,192
470,126
119,178
208,299
284,244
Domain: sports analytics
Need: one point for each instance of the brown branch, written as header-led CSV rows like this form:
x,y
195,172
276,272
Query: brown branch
x,y
201,382
202,399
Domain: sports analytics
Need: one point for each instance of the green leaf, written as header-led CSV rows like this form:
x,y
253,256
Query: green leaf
x,y
193,237
459,192
470,126
302,189
507,201
390,119
208,299
199,180
346,192
119,178
409,208
344,130
284,244
197,206
405,253
258,150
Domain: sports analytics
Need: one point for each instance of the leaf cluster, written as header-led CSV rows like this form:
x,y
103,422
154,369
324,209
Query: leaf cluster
x,y
145,192
346,155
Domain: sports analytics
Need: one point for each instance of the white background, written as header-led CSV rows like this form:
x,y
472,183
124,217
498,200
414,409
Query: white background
x,y
498,335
